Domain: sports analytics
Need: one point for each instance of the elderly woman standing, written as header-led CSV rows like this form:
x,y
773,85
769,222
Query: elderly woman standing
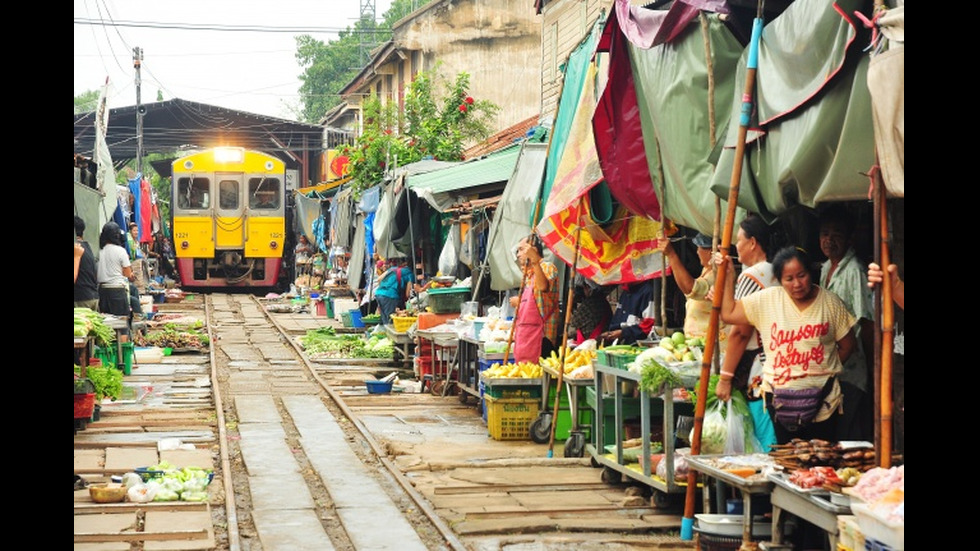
x,y
807,333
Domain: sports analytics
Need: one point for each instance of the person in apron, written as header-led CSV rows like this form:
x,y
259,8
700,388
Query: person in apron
x,y
536,326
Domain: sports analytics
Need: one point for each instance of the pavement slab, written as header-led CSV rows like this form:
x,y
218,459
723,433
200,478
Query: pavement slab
x,y
291,529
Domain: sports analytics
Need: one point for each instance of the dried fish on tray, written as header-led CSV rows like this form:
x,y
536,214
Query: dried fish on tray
x,y
803,454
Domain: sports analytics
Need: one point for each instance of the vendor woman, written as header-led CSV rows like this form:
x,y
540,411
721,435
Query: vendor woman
x,y
536,323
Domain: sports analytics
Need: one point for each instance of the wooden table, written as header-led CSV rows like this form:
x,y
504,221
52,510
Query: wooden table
x,y
83,347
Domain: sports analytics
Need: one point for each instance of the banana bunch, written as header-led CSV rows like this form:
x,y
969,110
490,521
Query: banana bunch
x,y
523,370
574,359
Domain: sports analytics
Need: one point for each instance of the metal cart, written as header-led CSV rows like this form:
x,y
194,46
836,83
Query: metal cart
x,y
613,464
541,427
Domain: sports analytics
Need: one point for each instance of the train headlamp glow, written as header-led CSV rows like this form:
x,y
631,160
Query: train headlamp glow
x,y
229,154
269,165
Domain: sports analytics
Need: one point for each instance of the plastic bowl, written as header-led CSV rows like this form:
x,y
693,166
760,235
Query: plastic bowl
x,y
378,387
731,525
146,474
107,493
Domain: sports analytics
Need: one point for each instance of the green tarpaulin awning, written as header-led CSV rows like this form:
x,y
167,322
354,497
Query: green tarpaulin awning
x,y
440,188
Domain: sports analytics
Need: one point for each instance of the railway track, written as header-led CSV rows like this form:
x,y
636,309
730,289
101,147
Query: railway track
x,y
306,459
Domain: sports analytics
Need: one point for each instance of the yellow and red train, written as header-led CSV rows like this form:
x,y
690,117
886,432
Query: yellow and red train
x,y
228,215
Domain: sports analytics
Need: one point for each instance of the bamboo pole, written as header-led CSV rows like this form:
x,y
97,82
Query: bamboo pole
x,y
887,306
562,356
687,522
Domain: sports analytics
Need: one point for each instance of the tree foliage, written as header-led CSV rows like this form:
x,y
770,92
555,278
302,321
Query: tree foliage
x,y
86,101
328,67
431,126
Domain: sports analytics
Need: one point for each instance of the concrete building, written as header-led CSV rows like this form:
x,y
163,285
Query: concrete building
x,y
497,42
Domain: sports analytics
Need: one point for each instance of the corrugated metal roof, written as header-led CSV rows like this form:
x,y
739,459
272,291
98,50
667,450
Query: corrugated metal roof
x,y
490,169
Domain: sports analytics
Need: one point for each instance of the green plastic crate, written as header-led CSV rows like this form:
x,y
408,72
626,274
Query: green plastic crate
x,y
448,300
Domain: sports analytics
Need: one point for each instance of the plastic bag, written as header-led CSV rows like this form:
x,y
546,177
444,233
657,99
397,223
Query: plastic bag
x,y
680,464
714,430
735,440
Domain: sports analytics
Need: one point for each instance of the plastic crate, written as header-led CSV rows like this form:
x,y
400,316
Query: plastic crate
x,y
403,323
511,418
880,534
352,318
514,391
619,360
448,300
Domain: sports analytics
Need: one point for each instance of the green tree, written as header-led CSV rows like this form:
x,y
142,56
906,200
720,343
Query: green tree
x,y
328,67
86,101
430,127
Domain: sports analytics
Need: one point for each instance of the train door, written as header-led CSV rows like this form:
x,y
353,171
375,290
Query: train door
x,y
229,220
266,207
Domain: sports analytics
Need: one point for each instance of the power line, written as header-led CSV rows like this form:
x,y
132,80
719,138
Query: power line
x,y
224,28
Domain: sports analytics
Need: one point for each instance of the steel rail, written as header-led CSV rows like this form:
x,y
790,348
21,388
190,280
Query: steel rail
x,y
449,536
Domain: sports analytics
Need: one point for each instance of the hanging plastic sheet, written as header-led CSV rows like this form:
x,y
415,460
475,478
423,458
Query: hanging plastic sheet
x,y
145,211
886,83
511,220
356,268
575,75
618,132
815,139
306,211
681,134
621,251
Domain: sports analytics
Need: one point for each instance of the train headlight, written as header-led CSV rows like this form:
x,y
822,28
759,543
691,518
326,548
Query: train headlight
x,y
185,245
273,245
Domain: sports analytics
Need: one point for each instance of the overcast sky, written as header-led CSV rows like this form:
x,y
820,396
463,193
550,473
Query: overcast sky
x,y
254,70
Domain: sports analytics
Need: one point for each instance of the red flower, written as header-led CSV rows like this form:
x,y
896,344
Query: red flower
x,y
469,100
462,108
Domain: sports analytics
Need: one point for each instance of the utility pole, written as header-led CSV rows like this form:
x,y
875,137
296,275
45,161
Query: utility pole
x,y
364,42
137,62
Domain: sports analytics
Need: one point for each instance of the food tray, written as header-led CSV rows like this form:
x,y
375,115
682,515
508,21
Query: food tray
x,y
705,464
782,479
826,501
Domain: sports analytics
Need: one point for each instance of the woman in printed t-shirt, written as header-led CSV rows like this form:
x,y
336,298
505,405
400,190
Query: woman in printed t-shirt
x,y
807,333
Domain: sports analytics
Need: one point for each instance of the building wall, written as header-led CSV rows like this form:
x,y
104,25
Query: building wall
x,y
564,24
497,42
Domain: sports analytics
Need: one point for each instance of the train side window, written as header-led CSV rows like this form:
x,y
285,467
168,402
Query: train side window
x,y
193,193
228,194
264,193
